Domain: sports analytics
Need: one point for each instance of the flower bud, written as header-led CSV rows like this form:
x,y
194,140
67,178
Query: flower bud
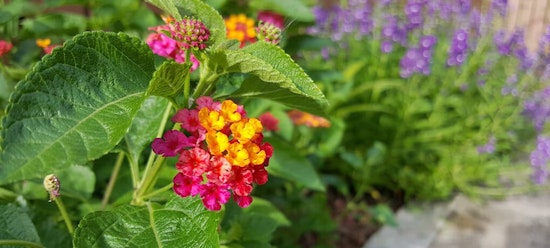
x,y
51,184
191,33
268,32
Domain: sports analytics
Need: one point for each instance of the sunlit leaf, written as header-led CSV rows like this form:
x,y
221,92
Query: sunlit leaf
x,y
75,105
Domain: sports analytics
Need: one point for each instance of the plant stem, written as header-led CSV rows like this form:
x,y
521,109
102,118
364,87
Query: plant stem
x,y
64,214
154,164
112,180
20,243
207,79
187,82
158,191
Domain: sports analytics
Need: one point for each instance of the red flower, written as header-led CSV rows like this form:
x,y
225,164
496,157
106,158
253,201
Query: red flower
x,y
186,186
269,122
5,47
172,143
276,19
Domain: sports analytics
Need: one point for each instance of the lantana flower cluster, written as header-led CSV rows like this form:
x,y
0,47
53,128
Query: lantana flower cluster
x,y
242,28
5,47
220,153
175,38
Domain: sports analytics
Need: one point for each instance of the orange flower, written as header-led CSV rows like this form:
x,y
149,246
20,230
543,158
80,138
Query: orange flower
x,y
43,43
241,28
307,119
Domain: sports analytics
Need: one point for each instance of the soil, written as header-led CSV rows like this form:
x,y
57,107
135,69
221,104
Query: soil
x,y
355,224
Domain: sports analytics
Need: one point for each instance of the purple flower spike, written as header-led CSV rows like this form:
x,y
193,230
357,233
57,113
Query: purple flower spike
x,y
539,160
459,48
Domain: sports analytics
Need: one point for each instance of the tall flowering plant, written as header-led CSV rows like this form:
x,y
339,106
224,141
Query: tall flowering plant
x,y
448,96
168,107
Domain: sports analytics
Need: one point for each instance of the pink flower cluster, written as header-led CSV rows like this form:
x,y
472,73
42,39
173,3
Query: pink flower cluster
x,y
175,38
220,152
5,47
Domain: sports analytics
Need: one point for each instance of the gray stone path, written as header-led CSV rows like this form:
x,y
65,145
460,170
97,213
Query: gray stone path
x,y
516,222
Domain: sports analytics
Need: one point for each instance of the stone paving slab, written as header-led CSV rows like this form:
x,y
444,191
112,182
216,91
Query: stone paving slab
x,y
516,222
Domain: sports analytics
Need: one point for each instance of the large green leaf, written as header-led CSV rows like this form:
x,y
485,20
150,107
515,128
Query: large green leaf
x,y
15,224
75,105
204,12
183,222
277,76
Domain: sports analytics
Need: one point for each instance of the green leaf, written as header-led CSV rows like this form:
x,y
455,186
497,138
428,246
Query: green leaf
x,y
204,12
183,222
15,224
278,77
168,80
383,214
254,223
297,10
145,126
77,181
288,164
75,105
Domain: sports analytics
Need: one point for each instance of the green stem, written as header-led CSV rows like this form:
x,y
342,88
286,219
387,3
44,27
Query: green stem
x,y
134,171
206,82
158,191
154,163
20,243
187,82
65,215
112,180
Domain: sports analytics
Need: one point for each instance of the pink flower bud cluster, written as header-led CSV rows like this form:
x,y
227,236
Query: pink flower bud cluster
x,y
175,38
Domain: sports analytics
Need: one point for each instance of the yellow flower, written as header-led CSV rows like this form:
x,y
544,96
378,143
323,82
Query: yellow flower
x,y
217,142
255,154
245,130
241,28
43,43
229,111
237,155
211,120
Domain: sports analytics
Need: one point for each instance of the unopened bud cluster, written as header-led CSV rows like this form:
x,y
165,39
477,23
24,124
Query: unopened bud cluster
x,y
191,33
51,184
268,32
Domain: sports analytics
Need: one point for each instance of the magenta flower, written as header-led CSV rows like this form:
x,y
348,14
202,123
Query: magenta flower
x,y
267,16
186,186
242,201
161,44
193,162
189,119
213,196
171,143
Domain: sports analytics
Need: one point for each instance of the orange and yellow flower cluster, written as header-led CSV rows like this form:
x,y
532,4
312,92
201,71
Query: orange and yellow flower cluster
x,y
221,152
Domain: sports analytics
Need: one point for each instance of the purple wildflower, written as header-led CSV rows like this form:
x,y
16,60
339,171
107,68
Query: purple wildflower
x,y
459,48
539,160
538,108
499,6
418,59
488,148
413,12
